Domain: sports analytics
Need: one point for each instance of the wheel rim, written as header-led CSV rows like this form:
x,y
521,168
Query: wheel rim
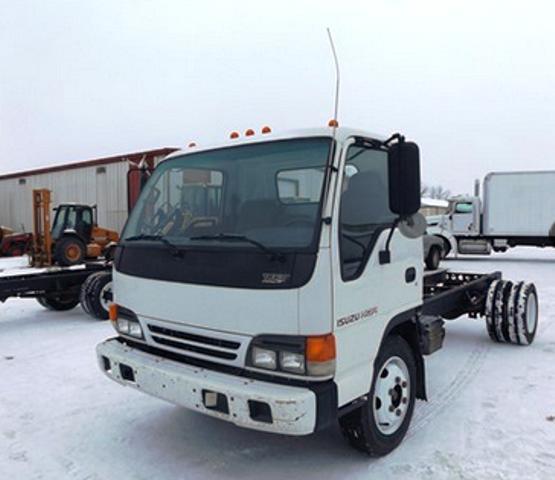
x,y
106,296
72,252
391,395
531,313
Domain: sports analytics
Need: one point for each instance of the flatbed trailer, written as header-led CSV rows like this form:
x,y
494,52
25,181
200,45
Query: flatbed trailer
x,y
62,288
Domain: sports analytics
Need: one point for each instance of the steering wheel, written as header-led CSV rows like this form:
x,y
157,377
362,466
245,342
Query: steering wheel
x,y
160,218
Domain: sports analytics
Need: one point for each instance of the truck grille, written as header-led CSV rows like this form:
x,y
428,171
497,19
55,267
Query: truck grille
x,y
199,345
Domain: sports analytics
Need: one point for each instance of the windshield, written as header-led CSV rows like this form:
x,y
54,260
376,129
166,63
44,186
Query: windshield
x,y
267,193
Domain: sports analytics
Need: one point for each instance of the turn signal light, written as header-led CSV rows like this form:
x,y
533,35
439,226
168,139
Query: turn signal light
x,y
113,311
249,132
320,349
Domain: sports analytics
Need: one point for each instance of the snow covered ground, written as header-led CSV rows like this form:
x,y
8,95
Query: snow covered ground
x,y
490,414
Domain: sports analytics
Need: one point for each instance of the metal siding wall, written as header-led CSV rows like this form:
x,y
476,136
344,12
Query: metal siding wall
x,y
79,185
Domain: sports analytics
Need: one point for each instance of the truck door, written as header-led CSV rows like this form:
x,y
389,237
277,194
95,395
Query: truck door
x,y
465,218
367,294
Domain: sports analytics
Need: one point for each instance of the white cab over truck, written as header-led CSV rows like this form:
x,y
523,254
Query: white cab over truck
x,y
516,208
276,282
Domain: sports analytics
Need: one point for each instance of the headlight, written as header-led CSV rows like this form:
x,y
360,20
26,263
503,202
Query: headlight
x,y
122,326
292,362
263,358
312,356
125,321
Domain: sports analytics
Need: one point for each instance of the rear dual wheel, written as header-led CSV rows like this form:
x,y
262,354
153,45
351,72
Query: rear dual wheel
x,y
96,295
512,312
58,303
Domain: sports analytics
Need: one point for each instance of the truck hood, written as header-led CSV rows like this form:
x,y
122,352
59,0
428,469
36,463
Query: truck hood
x,y
233,310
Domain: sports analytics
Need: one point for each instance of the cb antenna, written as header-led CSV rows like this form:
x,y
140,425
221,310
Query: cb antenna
x,y
337,78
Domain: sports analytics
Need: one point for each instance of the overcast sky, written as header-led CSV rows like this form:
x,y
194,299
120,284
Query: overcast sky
x,y
472,82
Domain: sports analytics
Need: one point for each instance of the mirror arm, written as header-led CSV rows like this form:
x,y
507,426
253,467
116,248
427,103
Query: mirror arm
x,y
396,136
385,254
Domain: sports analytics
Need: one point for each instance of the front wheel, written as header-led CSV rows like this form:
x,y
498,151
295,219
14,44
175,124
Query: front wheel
x,y
433,258
382,421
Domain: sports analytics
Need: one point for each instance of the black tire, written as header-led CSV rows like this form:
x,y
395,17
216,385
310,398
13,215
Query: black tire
x,y
41,301
360,426
433,258
69,251
512,306
59,303
524,319
501,311
512,312
490,311
84,292
99,295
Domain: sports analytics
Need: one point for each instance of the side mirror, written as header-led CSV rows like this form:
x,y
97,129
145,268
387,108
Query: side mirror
x,y
403,160
404,178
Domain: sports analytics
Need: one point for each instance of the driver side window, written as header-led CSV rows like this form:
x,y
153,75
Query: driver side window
x,y
364,210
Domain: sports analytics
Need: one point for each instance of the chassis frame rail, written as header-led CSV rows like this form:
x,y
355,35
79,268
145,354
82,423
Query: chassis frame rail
x,y
52,281
452,294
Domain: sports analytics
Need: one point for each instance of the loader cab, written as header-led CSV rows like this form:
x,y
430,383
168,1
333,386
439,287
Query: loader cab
x,y
74,218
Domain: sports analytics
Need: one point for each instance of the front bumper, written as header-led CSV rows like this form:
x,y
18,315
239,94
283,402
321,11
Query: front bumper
x,y
292,410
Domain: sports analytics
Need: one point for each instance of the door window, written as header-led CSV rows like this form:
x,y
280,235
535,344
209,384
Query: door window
x,y
364,210
463,207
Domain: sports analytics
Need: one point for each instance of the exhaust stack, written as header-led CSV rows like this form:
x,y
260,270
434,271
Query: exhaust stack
x,y
477,188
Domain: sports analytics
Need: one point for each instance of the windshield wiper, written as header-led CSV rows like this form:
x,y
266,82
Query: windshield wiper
x,y
231,237
174,251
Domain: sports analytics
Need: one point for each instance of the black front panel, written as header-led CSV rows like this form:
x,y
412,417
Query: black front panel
x,y
226,268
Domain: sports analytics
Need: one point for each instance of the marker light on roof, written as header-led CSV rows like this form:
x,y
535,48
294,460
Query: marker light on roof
x,y
192,144
234,135
249,132
333,123
266,129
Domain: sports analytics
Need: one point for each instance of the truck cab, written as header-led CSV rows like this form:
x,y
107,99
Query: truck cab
x,y
265,282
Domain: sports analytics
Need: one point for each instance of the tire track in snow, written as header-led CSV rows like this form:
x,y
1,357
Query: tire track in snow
x,y
441,400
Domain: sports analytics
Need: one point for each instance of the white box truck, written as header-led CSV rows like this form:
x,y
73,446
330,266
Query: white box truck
x,y
288,292
516,209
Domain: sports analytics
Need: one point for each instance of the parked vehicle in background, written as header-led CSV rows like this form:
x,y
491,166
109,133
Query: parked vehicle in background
x,y
16,244
64,287
434,251
277,282
73,236
516,209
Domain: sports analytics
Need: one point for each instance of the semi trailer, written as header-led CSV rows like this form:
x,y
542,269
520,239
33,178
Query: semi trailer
x,y
295,297
515,209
